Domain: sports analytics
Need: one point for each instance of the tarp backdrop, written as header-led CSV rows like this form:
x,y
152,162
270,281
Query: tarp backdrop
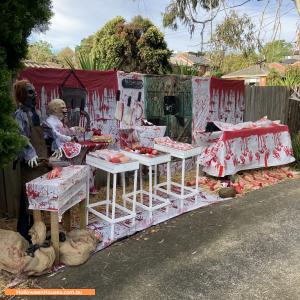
x,y
198,100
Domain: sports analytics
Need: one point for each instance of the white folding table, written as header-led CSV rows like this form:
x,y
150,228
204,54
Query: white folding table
x,y
185,191
155,201
114,168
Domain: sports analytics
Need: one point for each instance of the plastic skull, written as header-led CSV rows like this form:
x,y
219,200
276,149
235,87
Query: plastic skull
x,y
30,93
57,107
24,94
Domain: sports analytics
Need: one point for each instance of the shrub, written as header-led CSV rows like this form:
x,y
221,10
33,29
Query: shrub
x,y
296,148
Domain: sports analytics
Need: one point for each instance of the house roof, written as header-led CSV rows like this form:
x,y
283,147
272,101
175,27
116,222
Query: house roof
x,y
34,64
252,71
190,59
289,61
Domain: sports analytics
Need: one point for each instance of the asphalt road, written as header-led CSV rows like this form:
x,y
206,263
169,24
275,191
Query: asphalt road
x,y
246,248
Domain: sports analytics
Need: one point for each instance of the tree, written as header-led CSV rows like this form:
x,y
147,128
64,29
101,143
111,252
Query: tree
x,y
85,46
276,50
290,78
297,2
40,52
136,46
199,13
65,55
233,44
190,13
235,33
235,62
17,19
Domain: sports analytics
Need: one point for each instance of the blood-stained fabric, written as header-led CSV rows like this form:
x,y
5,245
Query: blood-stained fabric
x,y
60,193
131,104
201,99
101,87
228,151
216,100
226,100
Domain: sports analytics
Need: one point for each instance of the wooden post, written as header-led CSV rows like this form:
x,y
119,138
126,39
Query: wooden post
x,y
67,220
37,216
55,234
82,213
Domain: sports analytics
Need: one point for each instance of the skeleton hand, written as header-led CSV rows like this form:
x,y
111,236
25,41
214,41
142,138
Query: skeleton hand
x,y
57,153
74,139
33,162
78,129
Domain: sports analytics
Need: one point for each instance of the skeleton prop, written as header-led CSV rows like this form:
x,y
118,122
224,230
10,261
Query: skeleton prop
x,y
63,137
33,155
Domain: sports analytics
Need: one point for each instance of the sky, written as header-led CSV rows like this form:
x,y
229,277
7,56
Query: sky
x,y
74,20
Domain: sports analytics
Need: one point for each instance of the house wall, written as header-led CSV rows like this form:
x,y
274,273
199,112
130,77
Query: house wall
x,y
262,81
202,70
257,81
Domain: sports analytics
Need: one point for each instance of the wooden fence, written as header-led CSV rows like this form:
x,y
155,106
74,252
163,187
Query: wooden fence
x,y
10,189
271,101
274,102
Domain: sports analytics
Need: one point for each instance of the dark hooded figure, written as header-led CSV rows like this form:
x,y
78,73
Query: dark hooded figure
x,y
34,152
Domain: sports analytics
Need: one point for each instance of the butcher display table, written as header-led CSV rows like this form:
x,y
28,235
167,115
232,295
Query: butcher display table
x,y
88,146
114,168
237,147
185,191
154,200
58,195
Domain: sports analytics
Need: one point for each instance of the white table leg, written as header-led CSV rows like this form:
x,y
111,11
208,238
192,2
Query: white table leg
x,y
124,188
141,184
107,193
197,173
113,210
150,190
168,177
87,200
155,179
134,196
182,182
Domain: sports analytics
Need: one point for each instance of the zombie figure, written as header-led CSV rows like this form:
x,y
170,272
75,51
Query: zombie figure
x,y
35,152
60,133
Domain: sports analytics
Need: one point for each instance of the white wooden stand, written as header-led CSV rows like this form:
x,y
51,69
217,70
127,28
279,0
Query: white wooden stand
x,y
155,201
114,169
185,191
58,196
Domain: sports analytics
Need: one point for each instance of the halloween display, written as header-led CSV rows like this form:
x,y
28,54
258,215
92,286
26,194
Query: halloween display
x,y
33,156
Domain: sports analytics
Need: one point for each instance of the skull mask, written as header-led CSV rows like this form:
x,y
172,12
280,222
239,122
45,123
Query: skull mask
x,y
30,96
57,107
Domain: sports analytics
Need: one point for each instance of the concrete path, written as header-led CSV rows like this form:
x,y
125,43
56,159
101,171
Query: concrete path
x,y
246,248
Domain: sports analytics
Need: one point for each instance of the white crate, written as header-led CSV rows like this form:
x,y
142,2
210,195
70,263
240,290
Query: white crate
x,y
110,167
179,153
146,160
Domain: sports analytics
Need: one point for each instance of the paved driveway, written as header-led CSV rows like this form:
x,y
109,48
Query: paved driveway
x,y
246,248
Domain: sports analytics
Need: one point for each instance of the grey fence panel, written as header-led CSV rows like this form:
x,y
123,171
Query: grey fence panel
x,y
271,101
